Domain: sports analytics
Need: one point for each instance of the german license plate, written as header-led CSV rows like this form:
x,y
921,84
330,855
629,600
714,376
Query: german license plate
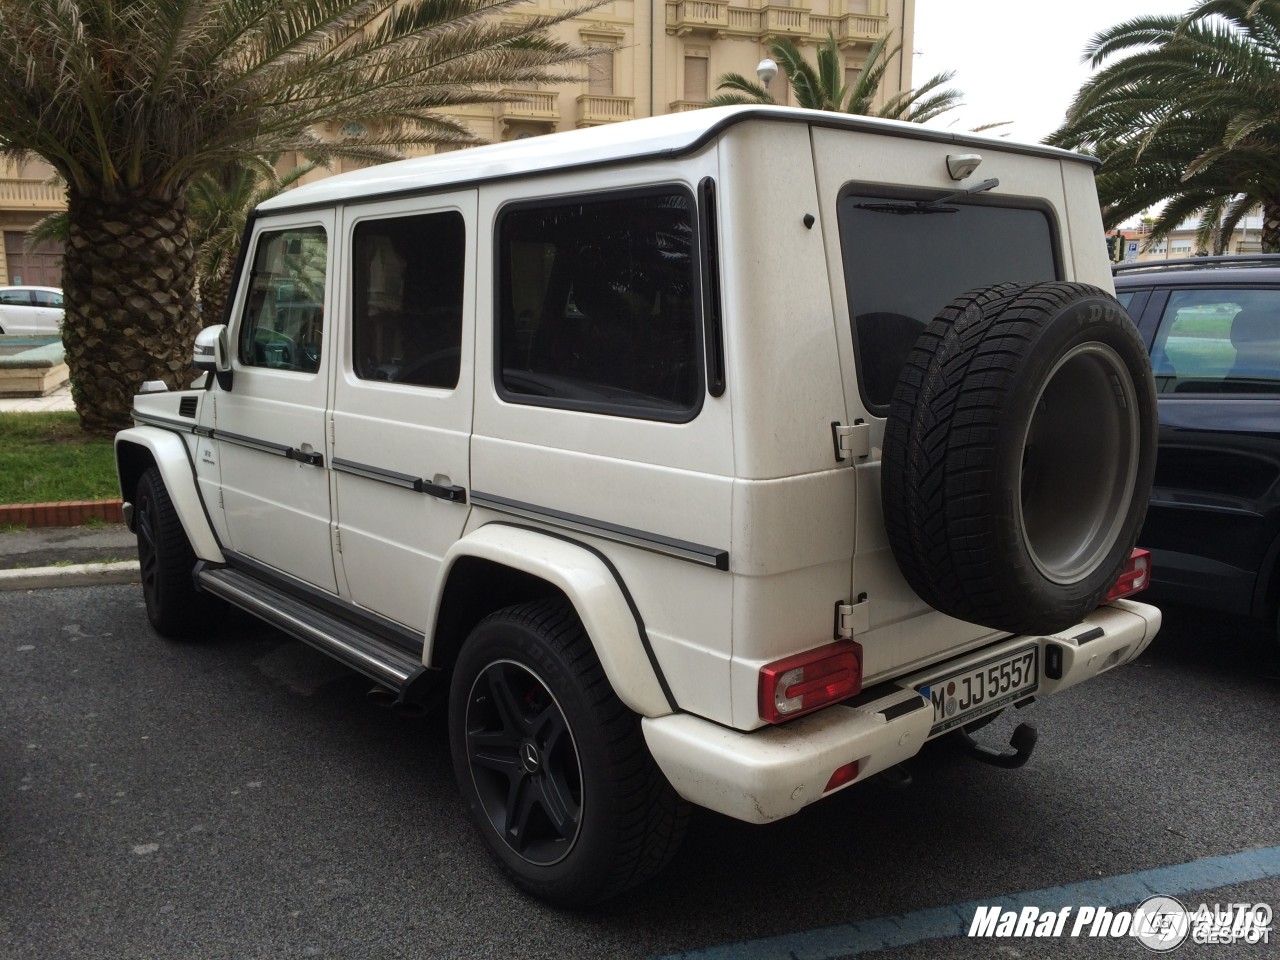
x,y
980,689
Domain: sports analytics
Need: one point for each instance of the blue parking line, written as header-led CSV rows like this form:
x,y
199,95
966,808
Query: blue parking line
x,y
884,933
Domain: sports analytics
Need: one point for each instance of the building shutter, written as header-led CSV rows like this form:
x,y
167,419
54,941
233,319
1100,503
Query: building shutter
x,y
600,75
695,79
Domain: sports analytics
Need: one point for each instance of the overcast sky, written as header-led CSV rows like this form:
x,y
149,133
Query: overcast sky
x,y
1017,60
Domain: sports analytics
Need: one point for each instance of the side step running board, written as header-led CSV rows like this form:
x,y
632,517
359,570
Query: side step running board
x,y
358,649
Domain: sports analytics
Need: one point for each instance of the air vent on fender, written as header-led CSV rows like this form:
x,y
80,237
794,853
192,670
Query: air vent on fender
x,y
187,406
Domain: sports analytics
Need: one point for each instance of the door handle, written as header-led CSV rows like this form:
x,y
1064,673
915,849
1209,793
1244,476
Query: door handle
x,y
305,456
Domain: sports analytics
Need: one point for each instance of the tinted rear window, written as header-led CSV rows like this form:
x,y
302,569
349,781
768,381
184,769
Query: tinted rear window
x,y
904,262
598,305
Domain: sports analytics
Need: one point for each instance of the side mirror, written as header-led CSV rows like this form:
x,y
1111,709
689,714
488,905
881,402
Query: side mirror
x,y
212,353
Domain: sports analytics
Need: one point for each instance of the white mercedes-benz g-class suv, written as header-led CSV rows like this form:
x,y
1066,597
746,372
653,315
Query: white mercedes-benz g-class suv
x,y
721,458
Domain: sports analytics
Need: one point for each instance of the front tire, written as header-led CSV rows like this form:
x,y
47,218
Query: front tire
x,y
552,765
174,606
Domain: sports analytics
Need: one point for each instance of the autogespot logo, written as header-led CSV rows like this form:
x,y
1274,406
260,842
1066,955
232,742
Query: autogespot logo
x,y
1161,924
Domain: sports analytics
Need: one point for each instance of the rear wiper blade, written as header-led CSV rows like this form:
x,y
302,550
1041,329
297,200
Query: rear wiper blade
x,y
905,207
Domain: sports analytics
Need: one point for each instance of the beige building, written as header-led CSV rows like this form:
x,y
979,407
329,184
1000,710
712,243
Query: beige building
x,y
662,56
666,55
27,195
1181,243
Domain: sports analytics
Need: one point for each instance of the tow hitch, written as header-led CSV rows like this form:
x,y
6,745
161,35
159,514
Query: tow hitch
x,y
1023,742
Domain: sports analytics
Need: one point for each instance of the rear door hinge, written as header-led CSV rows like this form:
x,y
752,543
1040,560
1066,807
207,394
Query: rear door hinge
x,y
851,440
852,618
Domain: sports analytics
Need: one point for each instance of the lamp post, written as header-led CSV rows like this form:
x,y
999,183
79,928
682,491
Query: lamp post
x,y
766,70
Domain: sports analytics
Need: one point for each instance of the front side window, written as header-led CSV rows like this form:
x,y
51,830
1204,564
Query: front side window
x,y
598,305
283,322
1218,341
44,298
904,260
407,310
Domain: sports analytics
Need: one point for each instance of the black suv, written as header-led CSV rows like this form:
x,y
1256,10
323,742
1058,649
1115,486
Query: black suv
x,y
1212,325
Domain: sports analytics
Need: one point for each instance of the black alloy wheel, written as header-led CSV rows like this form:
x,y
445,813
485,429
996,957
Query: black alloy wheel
x,y
524,762
174,606
552,765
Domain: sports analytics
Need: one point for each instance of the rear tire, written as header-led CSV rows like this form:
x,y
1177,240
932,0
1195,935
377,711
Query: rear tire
x,y
552,765
175,607
1019,455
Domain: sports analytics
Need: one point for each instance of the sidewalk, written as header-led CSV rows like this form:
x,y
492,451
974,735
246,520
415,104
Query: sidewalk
x,y
60,399
67,557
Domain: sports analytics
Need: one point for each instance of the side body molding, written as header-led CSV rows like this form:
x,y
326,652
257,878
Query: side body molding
x,y
135,449
593,589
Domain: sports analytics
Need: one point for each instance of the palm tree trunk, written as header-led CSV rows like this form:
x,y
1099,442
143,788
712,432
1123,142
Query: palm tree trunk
x,y
214,291
128,275
1271,224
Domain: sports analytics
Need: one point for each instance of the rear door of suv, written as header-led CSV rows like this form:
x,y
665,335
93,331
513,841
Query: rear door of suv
x,y
401,415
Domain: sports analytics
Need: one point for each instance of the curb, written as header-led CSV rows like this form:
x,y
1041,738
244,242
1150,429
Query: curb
x,y
75,575
72,513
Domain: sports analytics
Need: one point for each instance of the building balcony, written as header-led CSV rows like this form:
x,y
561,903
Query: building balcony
x,y
18,194
594,110
769,20
778,21
694,16
849,30
685,106
534,106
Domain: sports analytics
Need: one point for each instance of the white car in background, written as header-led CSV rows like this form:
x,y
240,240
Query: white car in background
x,y
30,310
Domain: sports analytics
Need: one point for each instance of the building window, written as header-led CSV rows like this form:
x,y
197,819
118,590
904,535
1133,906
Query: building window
x,y
695,79
600,75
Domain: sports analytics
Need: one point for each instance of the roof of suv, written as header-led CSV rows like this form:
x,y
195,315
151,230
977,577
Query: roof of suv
x,y
1199,271
667,136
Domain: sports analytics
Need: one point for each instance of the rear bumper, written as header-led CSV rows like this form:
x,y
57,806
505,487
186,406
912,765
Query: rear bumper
x,y
773,772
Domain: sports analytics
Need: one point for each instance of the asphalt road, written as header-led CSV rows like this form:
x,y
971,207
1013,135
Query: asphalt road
x,y
241,798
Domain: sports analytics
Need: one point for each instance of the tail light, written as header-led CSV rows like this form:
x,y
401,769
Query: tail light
x,y
1134,578
810,680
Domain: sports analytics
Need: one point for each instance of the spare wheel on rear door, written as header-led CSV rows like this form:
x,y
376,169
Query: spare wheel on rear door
x,y
1019,453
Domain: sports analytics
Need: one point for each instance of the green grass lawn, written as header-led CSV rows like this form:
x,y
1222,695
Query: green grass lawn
x,y
44,457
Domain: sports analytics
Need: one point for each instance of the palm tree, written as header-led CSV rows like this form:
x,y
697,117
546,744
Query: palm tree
x,y
218,207
132,101
823,87
219,204
1187,113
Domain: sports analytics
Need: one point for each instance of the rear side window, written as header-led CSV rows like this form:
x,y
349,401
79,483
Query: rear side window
x,y
904,260
598,305
15,298
1218,341
407,311
283,323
